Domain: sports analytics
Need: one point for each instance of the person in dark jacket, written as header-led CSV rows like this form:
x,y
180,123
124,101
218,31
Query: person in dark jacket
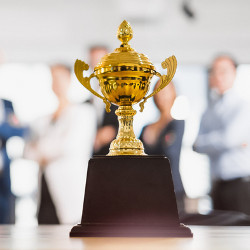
x,y
164,137
8,128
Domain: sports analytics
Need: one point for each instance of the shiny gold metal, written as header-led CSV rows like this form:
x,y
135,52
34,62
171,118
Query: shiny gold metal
x,y
124,77
85,81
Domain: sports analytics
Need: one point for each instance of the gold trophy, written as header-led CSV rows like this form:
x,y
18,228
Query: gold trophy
x,y
128,193
124,76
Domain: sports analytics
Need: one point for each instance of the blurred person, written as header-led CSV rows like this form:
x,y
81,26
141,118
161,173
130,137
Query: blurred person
x,y
106,132
224,136
9,126
107,122
164,137
62,144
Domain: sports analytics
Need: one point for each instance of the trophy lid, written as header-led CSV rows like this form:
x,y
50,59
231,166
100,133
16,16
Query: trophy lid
x,y
124,55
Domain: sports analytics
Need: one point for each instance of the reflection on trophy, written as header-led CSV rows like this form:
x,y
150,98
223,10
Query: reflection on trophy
x,y
128,193
124,78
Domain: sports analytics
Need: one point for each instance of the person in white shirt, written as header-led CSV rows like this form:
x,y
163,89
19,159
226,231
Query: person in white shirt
x,y
225,137
62,144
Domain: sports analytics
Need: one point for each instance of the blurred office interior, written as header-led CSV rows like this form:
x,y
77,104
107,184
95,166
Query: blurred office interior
x,y
35,34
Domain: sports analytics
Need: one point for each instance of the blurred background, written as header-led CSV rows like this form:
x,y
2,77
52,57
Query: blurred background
x,y
35,34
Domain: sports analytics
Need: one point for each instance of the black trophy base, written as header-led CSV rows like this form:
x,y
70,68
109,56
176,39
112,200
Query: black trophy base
x,y
129,196
86,230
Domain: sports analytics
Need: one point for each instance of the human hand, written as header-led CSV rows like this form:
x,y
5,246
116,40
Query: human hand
x,y
104,136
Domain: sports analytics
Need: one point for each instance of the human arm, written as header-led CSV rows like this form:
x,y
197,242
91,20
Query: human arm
x,y
107,132
104,136
61,140
233,132
7,131
10,125
173,140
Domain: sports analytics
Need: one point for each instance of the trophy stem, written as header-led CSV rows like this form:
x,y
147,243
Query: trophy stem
x,y
126,143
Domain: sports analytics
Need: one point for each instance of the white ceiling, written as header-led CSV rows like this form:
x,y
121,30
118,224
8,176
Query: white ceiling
x,y
62,30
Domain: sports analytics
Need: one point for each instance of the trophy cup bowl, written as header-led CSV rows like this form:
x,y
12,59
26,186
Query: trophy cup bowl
x,y
124,77
125,83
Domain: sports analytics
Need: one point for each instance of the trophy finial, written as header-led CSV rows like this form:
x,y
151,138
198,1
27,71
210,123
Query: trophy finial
x,y
124,32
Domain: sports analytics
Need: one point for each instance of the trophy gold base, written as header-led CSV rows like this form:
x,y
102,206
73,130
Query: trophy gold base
x,y
123,146
129,196
126,143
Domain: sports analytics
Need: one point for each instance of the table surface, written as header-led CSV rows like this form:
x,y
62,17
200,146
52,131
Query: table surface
x,y
57,237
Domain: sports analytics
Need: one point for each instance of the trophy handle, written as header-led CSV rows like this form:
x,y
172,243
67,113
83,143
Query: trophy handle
x,y
80,66
171,64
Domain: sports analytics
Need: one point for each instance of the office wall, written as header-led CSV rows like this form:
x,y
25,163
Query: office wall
x,y
49,30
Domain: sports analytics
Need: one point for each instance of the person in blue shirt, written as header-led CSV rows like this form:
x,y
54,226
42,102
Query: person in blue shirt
x,y
224,136
8,128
